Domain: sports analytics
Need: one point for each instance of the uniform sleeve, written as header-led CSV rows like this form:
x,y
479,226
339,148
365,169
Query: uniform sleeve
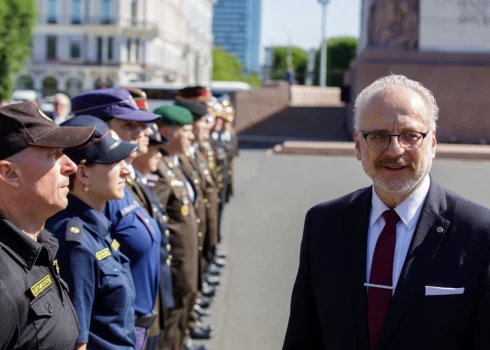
x,y
303,330
162,190
77,268
9,329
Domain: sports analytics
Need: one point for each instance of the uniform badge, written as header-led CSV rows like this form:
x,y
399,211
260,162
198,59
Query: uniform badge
x,y
115,136
184,210
41,286
102,254
170,165
56,266
170,173
115,245
74,229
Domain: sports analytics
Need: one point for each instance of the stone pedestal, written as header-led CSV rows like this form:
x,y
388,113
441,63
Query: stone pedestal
x,y
456,72
460,83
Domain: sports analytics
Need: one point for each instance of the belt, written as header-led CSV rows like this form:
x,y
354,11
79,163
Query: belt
x,y
145,321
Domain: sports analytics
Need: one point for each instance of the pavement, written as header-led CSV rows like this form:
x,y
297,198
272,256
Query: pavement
x,y
263,227
454,151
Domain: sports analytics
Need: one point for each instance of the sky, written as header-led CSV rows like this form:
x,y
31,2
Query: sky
x,y
300,22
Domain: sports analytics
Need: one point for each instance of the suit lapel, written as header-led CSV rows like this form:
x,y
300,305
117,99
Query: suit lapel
x,y
356,228
428,235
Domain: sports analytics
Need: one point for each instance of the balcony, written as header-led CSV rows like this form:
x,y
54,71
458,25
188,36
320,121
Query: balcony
x,y
98,26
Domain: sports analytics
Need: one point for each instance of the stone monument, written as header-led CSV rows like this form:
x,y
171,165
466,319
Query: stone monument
x,y
444,44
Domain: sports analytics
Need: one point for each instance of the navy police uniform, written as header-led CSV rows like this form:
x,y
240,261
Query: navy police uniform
x,y
139,236
98,274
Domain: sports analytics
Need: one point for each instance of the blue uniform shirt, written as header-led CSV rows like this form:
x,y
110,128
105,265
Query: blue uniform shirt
x,y
98,275
140,238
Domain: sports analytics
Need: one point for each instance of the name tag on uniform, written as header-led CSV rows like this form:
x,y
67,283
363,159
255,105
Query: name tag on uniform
x,y
41,286
129,209
115,245
102,254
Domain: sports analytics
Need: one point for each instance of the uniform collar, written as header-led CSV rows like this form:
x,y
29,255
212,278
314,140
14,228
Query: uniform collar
x,y
92,219
408,210
22,247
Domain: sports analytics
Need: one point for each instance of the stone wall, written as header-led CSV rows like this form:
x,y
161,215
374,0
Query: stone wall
x,y
459,83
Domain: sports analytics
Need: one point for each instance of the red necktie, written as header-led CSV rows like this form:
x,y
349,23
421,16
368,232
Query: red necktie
x,y
379,299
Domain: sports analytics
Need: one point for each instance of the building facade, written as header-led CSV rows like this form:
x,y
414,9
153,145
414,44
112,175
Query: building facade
x,y
236,28
80,45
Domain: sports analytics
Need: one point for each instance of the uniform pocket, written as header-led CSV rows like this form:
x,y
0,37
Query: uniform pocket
x,y
115,286
42,310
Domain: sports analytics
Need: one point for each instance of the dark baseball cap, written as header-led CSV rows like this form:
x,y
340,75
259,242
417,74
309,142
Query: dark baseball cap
x,y
110,103
24,124
197,108
106,147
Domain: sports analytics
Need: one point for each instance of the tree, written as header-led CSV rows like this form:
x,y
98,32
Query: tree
x,y
228,67
279,63
340,52
17,20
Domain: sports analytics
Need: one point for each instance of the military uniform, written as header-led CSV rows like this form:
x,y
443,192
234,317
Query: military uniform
x,y
211,196
98,274
34,303
221,172
172,192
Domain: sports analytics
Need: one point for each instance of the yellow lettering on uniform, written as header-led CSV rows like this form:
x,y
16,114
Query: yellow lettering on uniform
x,y
102,254
40,286
115,245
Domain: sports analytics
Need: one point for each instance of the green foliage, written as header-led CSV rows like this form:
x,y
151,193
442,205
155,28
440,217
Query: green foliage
x,y
340,52
279,63
17,20
228,67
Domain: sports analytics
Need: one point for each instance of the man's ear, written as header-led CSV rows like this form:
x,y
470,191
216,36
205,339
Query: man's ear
x,y
10,174
357,145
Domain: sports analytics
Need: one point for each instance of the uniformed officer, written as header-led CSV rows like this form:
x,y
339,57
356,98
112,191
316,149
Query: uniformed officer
x,y
90,261
132,226
144,165
229,140
34,176
178,194
193,172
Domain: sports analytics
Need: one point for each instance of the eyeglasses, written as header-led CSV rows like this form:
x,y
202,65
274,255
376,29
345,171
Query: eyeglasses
x,y
380,140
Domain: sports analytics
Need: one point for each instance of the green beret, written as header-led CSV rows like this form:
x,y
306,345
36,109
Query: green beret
x,y
173,115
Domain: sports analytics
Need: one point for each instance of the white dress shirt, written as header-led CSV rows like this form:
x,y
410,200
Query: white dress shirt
x,y
190,189
409,212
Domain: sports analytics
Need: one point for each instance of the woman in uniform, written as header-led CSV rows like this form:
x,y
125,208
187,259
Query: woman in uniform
x,y
89,259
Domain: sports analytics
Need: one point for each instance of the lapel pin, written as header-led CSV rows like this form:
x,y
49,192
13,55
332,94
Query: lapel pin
x,y
440,229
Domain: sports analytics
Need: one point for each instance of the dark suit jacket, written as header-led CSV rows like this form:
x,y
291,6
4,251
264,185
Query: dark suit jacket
x,y
450,248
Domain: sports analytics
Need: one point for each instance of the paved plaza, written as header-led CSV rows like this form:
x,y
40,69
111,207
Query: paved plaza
x,y
263,227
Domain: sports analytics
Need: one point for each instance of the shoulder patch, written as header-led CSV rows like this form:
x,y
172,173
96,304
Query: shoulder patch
x,y
74,230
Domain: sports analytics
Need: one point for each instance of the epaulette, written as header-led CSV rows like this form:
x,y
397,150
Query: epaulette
x,y
74,230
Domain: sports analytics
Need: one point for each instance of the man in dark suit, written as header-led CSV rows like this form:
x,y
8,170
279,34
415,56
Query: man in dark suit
x,y
403,264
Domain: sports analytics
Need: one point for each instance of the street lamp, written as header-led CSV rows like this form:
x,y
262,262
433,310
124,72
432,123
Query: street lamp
x,y
323,56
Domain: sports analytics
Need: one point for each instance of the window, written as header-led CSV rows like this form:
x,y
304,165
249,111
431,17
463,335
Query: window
x,y
134,11
106,12
128,48
110,48
99,49
50,47
75,48
52,11
76,11
137,44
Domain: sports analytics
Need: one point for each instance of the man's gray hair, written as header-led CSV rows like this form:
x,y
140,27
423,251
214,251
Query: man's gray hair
x,y
391,81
